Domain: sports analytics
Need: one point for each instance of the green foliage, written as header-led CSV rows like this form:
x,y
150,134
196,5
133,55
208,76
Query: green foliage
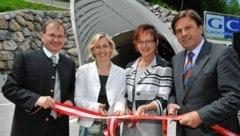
x,y
233,7
215,6
222,6
9,5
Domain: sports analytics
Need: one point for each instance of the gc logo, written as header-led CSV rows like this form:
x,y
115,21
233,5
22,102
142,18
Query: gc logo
x,y
228,23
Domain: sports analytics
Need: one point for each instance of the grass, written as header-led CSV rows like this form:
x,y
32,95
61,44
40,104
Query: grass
x,y
9,5
64,0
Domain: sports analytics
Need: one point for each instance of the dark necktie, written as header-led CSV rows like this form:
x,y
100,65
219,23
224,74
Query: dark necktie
x,y
188,67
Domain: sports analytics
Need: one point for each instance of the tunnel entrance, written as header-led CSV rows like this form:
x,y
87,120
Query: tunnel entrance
x,y
127,53
118,18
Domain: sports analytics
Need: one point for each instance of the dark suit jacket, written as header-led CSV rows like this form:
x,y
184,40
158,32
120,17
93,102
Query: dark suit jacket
x,y
213,88
30,78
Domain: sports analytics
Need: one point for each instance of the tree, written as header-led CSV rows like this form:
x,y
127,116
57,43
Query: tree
x,y
221,6
232,7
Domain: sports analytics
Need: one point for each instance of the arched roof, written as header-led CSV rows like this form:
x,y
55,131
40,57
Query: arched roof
x,y
113,17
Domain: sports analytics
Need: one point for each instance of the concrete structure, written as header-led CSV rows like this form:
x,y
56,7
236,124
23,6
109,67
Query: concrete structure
x,y
122,35
118,18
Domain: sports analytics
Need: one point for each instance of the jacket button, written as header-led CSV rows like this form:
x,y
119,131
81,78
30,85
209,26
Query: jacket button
x,y
46,119
53,77
51,91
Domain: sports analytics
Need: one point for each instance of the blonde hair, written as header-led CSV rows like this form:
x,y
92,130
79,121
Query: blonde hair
x,y
95,40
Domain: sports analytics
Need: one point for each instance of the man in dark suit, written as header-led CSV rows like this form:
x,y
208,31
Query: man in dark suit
x,y
211,94
36,82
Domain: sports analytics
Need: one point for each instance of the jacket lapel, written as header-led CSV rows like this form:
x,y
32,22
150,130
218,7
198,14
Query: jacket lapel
x,y
179,66
201,61
149,69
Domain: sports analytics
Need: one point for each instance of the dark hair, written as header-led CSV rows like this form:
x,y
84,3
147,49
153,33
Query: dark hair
x,y
143,28
52,21
187,13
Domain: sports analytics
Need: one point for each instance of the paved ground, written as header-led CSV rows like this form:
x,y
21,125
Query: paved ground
x,y
6,113
6,107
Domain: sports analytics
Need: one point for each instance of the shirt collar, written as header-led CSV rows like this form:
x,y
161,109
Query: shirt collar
x,y
197,49
49,54
154,62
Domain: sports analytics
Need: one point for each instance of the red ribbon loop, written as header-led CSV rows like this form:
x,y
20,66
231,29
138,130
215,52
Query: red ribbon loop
x,y
113,120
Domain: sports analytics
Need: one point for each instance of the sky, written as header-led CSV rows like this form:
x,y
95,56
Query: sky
x,y
238,1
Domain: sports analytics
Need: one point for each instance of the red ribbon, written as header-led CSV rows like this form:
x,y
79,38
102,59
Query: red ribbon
x,y
113,120
224,131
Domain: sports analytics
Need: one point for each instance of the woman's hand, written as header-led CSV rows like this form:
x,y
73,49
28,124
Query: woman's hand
x,y
141,110
101,109
127,110
118,113
68,102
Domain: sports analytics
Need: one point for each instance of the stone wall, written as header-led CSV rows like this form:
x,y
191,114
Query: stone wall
x,y
20,31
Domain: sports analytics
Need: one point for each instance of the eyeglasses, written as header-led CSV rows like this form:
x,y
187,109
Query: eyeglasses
x,y
147,42
53,36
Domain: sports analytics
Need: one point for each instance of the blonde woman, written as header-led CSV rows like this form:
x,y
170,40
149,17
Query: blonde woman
x,y
100,85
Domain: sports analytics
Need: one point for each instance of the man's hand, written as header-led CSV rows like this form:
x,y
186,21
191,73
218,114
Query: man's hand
x,y
45,102
191,119
172,109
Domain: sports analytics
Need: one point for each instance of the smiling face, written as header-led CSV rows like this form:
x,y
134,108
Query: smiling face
x,y
146,45
53,37
102,50
145,39
189,34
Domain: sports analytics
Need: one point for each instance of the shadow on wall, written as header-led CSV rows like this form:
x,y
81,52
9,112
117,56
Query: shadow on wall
x,y
127,53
